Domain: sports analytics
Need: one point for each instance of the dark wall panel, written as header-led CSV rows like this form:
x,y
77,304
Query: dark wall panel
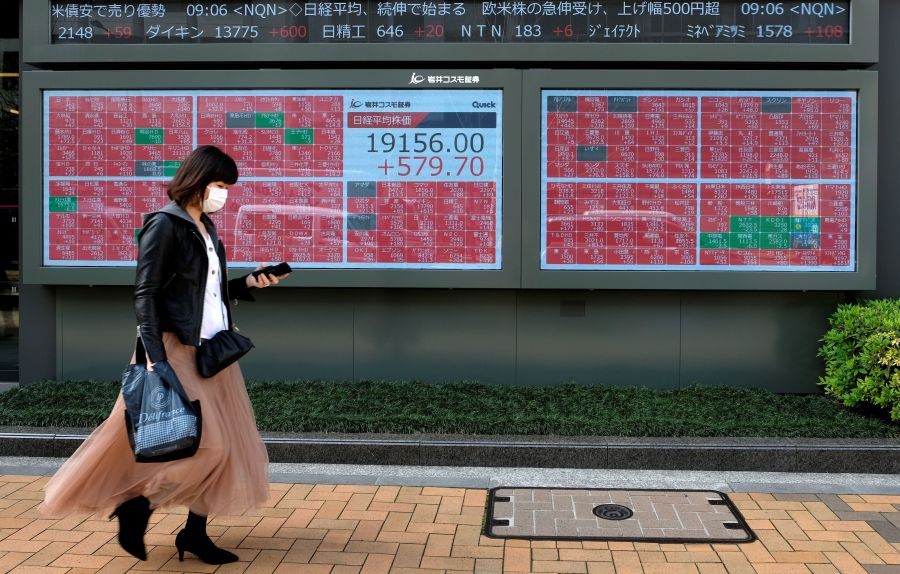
x,y
37,333
766,340
435,335
298,333
653,339
622,339
96,329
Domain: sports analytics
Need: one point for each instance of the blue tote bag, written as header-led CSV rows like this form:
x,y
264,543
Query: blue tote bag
x,y
163,423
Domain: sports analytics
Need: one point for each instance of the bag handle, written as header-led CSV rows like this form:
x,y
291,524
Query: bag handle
x,y
140,354
167,374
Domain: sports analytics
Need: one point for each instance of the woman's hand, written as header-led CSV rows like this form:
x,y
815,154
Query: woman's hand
x,y
264,279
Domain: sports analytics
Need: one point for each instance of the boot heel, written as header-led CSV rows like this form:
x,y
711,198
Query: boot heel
x,y
201,546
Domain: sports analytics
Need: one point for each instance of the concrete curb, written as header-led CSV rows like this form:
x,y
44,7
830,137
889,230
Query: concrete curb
x,y
715,454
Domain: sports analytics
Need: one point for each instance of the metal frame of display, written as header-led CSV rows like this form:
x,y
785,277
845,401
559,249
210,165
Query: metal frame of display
x,y
865,83
862,49
34,82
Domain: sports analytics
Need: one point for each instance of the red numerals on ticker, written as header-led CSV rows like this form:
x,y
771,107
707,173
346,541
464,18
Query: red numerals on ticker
x,y
430,31
293,32
119,32
825,32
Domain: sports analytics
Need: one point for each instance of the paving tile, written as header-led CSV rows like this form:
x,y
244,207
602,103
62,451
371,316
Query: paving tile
x,y
805,520
377,564
10,560
266,562
859,515
737,563
796,497
118,565
835,503
658,568
303,569
367,530
820,511
49,553
862,553
340,557
39,570
517,559
845,563
887,530
847,526
81,561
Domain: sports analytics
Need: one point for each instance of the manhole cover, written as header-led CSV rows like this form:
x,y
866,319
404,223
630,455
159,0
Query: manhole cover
x,y
613,512
703,516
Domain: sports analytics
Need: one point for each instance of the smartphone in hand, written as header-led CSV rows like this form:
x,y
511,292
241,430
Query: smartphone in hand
x,y
277,270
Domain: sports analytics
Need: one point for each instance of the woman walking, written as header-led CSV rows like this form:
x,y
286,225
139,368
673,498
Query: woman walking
x,y
180,299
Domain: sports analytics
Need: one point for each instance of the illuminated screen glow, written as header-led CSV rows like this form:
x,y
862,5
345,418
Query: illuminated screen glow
x,y
396,179
698,180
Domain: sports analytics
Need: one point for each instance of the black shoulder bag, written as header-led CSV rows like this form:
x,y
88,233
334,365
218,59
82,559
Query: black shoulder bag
x,y
223,349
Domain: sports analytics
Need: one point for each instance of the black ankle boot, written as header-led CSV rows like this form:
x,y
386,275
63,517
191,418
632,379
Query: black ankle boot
x,y
134,514
194,539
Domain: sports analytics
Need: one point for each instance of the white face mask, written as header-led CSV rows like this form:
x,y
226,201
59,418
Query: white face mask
x,y
216,199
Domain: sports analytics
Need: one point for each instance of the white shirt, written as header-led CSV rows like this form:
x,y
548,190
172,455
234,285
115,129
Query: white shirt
x,y
214,313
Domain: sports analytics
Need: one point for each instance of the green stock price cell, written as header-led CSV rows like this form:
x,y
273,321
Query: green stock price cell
x,y
775,224
63,204
741,224
149,136
775,240
298,136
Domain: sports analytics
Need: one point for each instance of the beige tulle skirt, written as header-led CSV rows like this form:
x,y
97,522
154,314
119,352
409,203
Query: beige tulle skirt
x,y
227,475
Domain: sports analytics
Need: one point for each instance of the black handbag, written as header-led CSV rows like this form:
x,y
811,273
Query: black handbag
x,y
162,422
223,349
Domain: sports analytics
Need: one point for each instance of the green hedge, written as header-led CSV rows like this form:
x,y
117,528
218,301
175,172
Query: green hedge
x,y
473,408
862,355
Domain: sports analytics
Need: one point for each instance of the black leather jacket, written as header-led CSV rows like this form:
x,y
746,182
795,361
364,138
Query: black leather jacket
x,y
171,278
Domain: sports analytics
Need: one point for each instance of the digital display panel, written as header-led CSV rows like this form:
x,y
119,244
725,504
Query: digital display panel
x,y
367,22
698,180
393,178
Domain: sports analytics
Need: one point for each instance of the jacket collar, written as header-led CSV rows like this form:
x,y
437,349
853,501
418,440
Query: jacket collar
x,y
176,210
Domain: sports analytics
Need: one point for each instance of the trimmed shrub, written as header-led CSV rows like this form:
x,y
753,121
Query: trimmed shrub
x,y
862,355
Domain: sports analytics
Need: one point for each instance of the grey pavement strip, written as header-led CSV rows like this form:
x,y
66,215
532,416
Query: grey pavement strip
x,y
490,477
876,456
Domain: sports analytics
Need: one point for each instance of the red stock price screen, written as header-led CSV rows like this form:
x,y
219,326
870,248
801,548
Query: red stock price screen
x,y
328,178
698,180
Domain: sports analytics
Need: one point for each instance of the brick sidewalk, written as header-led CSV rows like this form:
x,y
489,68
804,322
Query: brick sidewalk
x,y
346,529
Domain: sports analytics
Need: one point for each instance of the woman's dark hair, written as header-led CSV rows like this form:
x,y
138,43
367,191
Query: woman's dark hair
x,y
203,166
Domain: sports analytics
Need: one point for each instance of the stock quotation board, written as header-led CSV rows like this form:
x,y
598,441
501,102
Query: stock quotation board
x,y
702,180
589,22
328,178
